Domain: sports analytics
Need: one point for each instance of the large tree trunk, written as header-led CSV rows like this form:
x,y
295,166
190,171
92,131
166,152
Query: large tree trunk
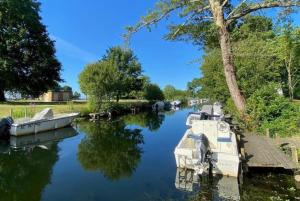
x,y
227,56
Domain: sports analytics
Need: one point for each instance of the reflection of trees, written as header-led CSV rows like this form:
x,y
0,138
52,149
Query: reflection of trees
x,y
110,148
152,121
23,175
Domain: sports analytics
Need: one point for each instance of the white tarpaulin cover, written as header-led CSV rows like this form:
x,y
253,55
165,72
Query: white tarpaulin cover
x,y
45,114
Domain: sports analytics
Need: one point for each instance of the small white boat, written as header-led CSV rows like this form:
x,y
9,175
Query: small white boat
x,y
193,152
43,121
218,111
176,103
158,106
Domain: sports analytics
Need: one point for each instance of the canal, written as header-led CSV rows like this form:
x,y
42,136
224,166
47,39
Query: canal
x,y
130,158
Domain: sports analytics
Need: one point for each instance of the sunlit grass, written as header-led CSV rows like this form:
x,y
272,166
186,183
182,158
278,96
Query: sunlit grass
x,y
28,110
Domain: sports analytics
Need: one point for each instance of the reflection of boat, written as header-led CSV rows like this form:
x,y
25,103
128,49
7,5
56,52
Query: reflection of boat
x,y
43,121
42,138
223,188
186,180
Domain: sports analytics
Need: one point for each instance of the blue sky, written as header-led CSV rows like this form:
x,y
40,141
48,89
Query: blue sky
x,y
83,30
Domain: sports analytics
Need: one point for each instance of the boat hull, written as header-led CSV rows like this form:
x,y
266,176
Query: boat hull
x,y
33,127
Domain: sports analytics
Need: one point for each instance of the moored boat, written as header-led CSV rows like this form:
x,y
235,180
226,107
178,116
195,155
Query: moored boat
x,y
219,154
43,121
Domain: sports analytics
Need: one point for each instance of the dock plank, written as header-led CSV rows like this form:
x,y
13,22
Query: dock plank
x,y
261,151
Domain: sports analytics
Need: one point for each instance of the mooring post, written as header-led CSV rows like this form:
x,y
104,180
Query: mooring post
x,y
294,154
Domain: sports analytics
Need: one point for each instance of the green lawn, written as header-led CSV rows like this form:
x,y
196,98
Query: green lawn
x,y
18,110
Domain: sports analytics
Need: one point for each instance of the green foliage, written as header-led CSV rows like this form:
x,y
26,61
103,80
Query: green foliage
x,y
99,81
268,110
153,93
129,70
213,84
194,87
169,92
27,55
76,95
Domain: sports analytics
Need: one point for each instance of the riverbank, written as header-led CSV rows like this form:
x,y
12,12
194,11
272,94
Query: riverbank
x,y
28,109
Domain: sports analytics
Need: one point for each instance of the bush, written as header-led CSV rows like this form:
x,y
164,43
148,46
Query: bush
x,y
266,109
153,93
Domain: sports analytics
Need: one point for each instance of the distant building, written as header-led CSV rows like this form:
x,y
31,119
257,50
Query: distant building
x,y
53,96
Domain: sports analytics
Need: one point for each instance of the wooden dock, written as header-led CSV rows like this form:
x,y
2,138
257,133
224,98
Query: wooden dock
x,y
264,152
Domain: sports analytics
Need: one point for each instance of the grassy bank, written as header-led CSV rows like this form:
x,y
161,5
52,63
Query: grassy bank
x,y
22,108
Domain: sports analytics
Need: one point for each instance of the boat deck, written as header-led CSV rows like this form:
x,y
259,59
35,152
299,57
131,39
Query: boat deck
x,y
261,151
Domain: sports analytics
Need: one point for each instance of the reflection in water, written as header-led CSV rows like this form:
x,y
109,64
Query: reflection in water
x,y
152,121
25,173
44,139
110,148
206,187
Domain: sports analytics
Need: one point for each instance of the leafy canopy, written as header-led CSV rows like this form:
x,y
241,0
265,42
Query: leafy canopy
x,y
27,55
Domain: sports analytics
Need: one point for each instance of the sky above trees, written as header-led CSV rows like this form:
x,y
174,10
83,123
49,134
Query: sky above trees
x,y
83,30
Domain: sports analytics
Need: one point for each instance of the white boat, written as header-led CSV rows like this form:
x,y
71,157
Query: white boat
x,y
176,103
205,113
218,111
220,152
43,121
158,106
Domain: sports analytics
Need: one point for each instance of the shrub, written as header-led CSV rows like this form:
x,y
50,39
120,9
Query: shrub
x,y
266,109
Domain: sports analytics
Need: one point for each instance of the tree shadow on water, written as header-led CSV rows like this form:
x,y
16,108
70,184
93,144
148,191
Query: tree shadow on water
x,y
151,121
111,148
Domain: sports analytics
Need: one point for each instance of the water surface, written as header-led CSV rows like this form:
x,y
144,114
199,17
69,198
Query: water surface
x,y
130,158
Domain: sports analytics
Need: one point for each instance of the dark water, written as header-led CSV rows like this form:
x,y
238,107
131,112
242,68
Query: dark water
x,y
128,159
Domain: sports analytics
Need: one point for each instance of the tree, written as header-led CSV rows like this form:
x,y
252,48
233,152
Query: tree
x,y
252,38
153,93
66,88
76,95
287,49
27,55
194,87
216,14
99,80
169,92
129,68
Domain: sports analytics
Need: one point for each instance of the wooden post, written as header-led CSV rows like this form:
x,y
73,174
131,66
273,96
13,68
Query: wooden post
x,y
268,132
11,112
25,112
294,154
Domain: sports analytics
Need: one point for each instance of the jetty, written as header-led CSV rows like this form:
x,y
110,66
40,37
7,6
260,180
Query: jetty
x,y
264,152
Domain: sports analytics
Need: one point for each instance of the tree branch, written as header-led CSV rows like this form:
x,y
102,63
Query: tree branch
x,y
255,7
